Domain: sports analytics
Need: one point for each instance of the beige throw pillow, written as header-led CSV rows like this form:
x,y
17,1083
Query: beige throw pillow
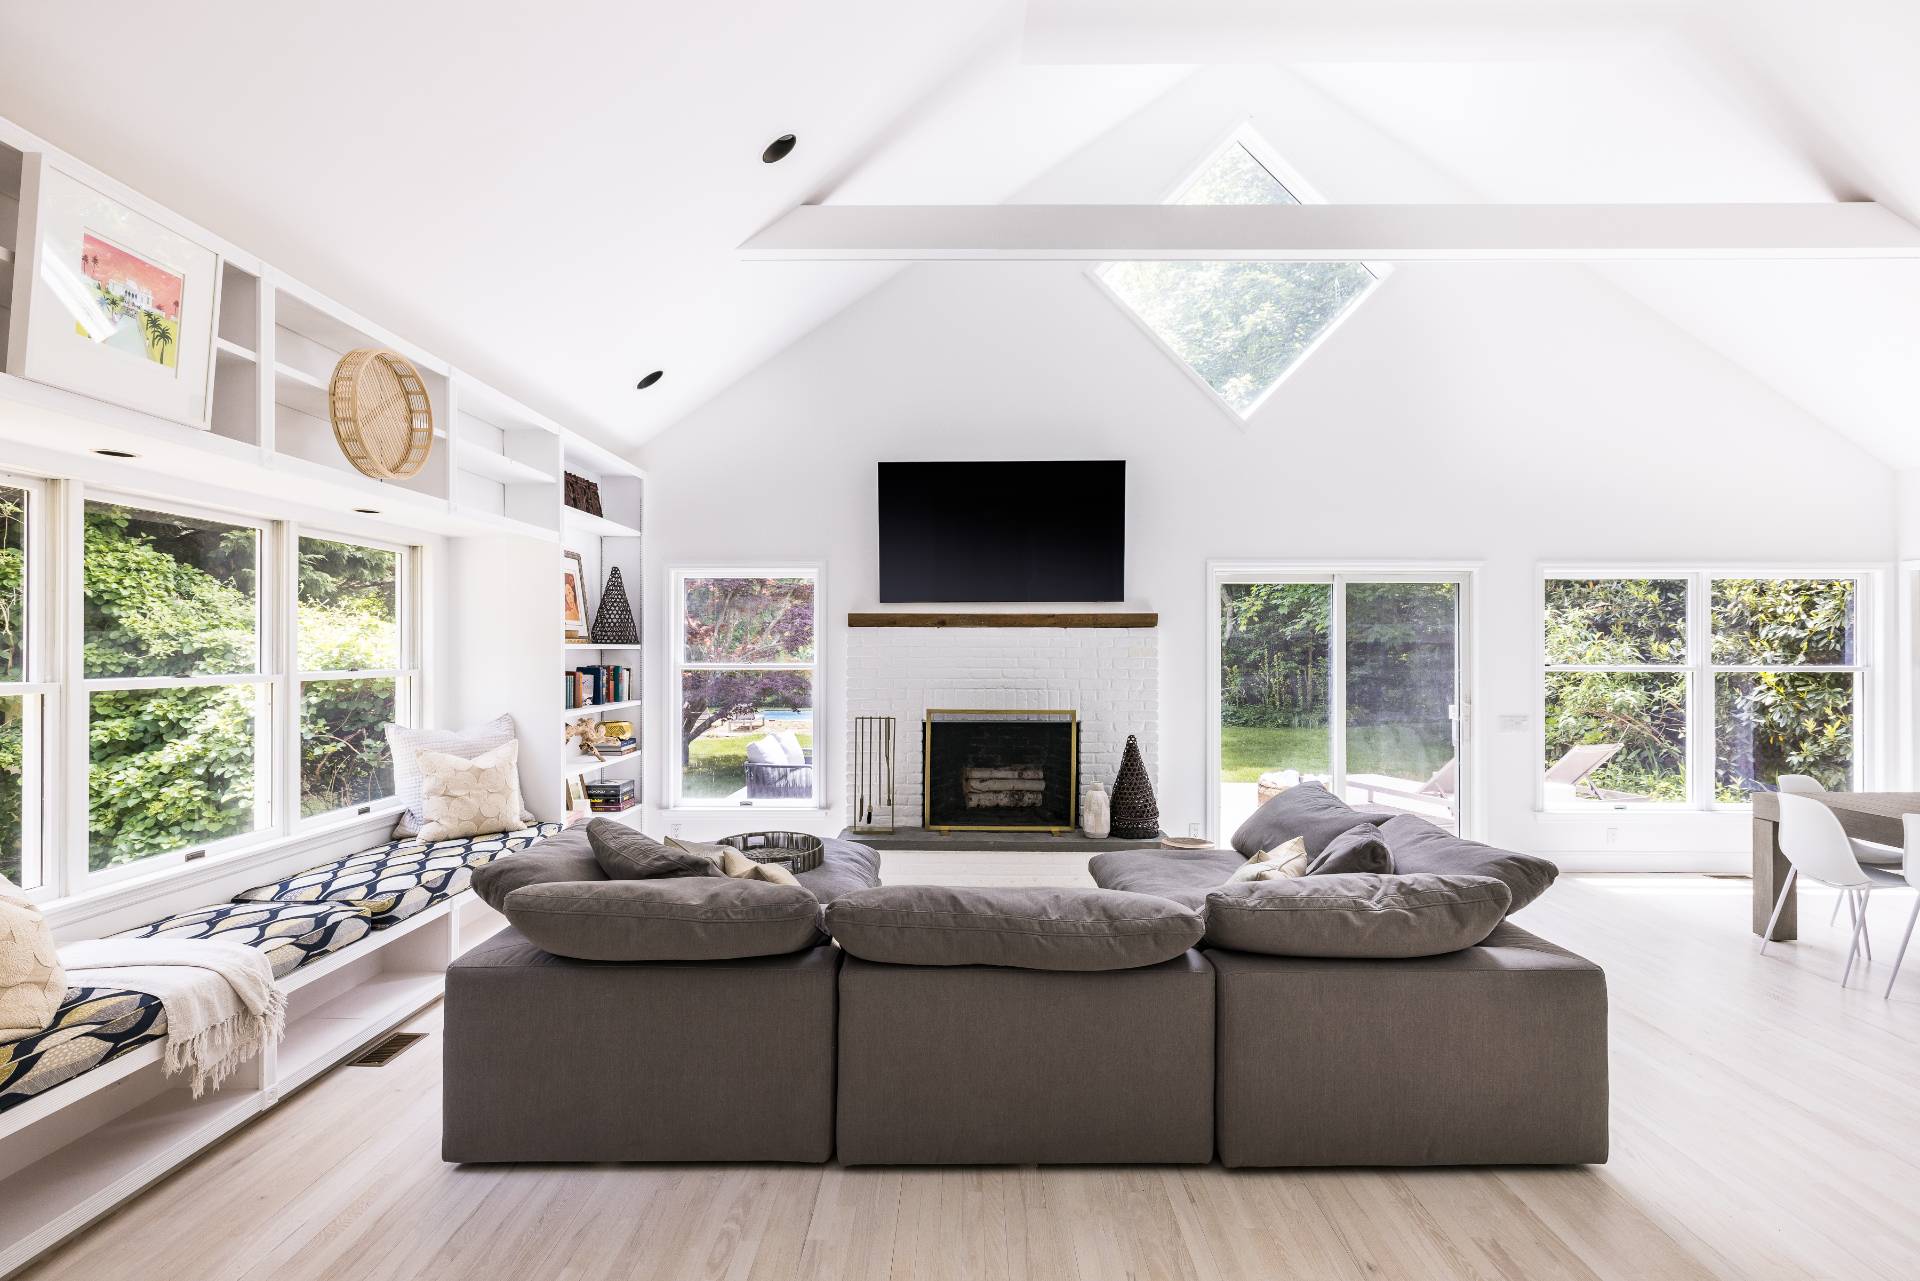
x,y
742,868
1279,863
32,984
715,854
475,797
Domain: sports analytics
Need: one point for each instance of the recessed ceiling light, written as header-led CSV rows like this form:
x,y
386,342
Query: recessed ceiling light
x,y
115,453
777,149
650,380
368,511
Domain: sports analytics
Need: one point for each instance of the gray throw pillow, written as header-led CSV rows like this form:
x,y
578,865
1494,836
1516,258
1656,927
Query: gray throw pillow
x,y
627,855
685,918
1419,846
1356,916
1308,811
1358,849
564,856
1028,928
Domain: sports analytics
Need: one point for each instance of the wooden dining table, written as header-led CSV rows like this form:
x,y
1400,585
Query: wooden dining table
x,y
1870,816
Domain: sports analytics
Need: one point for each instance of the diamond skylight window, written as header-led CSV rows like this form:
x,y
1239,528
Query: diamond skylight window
x,y
1239,326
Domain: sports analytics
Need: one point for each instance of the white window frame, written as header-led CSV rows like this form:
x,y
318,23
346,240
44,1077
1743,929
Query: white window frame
x,y
678,665
1700,670
1336,575
1243,135
271,625
39,688
406,677
56,810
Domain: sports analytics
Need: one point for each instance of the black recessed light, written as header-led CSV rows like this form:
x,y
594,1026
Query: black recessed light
x,y
368,511
650,380
115,453
777,149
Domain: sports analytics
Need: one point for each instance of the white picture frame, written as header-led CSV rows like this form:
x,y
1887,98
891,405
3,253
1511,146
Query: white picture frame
x,y
110,303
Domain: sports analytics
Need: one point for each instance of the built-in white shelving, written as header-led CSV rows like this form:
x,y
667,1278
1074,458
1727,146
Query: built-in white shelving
x,y
573,713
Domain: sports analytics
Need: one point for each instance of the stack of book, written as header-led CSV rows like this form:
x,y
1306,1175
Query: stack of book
x,y
619,746
611,797
604,683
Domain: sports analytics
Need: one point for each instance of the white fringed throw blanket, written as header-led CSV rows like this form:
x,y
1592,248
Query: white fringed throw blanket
x,y
222,1002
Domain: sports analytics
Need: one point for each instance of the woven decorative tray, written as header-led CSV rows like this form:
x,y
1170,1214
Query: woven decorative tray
x,y
1185,843
796,851
382,417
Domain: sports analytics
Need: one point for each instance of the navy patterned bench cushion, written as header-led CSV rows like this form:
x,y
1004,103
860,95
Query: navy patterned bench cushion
x,y
399,879
93,1025
291,934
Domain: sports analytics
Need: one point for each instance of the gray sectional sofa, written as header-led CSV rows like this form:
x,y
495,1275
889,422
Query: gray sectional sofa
x,y
1359,1019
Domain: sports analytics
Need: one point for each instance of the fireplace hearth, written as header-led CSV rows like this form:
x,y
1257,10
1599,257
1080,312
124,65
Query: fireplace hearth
x,y
1002,771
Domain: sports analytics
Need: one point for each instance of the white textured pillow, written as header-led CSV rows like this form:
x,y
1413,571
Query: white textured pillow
x,y
32,984
765,751
470,797
790,747
1282,862
406,744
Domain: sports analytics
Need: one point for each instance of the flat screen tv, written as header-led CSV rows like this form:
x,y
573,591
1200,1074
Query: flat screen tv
x,y
956,533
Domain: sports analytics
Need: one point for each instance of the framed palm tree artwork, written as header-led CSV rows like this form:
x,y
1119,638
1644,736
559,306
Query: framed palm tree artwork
x,y
110,302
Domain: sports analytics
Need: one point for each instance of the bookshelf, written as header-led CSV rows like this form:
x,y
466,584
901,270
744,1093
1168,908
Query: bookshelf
x,y
611,540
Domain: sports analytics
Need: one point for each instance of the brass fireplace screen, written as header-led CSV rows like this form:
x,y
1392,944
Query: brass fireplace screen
x,y
1001,771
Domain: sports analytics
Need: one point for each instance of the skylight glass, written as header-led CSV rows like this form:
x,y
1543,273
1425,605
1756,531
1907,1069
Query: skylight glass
x,y
1239,325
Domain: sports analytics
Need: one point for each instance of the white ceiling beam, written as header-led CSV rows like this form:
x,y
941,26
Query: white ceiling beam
x,y
1333,233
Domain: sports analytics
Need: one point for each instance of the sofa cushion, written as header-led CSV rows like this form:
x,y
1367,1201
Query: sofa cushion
x,y
845,866
1358,849
93,1025
1029,928
564,856
1186,877
291,934
399,879
1309,811
629,855
1356,915
680,918
1419,846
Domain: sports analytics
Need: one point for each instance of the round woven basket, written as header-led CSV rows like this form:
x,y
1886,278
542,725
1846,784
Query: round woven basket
x,y
382,417
796,851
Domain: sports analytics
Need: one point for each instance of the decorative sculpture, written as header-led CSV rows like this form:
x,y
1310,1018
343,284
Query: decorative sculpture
x,y
1096,818
613,624
1136,814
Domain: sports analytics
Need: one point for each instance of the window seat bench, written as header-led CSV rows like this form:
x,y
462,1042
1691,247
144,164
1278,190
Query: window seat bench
x,y
361,944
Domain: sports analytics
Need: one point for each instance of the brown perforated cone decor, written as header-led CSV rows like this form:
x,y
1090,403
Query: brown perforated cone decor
x,y
1136,813
614,625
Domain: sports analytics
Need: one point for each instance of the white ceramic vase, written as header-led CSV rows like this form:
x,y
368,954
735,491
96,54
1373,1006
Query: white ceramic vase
x,y
1096,817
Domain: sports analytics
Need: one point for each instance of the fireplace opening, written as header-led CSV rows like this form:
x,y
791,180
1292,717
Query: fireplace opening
x,y
1002,771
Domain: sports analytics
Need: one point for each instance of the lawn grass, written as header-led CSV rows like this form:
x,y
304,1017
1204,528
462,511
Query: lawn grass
x,y
1404,751
718,766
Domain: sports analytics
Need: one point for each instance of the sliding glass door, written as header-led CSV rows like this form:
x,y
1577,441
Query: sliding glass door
x,y
1349,680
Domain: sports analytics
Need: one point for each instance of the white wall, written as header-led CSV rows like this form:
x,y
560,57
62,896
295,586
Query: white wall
x,y
1478,414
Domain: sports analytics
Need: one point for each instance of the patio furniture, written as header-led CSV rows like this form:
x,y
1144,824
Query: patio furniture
x,y
1577,767
779,769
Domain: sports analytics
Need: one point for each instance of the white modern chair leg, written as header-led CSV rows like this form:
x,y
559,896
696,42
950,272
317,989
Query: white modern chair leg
x,y
1853,953
1786,888
1901,955
1866,935
1834,915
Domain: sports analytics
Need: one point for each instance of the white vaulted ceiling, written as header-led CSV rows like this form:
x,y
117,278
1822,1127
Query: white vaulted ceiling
x,y
552,195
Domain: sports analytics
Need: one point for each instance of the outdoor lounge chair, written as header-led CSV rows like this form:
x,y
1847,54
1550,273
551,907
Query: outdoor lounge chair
x,y
1576,768
779,771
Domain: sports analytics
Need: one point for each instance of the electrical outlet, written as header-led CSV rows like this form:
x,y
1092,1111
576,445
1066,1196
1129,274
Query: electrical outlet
x,y
673,829
1193,830
1612,837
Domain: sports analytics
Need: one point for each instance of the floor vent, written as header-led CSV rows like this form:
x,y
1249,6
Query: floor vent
x,y
381,1053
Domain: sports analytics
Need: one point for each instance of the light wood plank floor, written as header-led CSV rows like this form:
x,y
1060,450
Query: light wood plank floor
x,y
1766,1125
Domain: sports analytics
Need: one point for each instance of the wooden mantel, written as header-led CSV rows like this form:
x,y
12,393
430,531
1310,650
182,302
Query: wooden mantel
x,y
1003,620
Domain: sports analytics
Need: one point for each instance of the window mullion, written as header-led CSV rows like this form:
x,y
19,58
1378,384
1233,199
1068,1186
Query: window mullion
x,y
70,778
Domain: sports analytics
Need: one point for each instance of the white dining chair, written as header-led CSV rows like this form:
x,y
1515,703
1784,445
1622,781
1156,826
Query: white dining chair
x,y
1870,853
1818,848
1911,868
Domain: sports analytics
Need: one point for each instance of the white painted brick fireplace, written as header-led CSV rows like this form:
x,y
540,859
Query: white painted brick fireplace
x,y
1109,675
